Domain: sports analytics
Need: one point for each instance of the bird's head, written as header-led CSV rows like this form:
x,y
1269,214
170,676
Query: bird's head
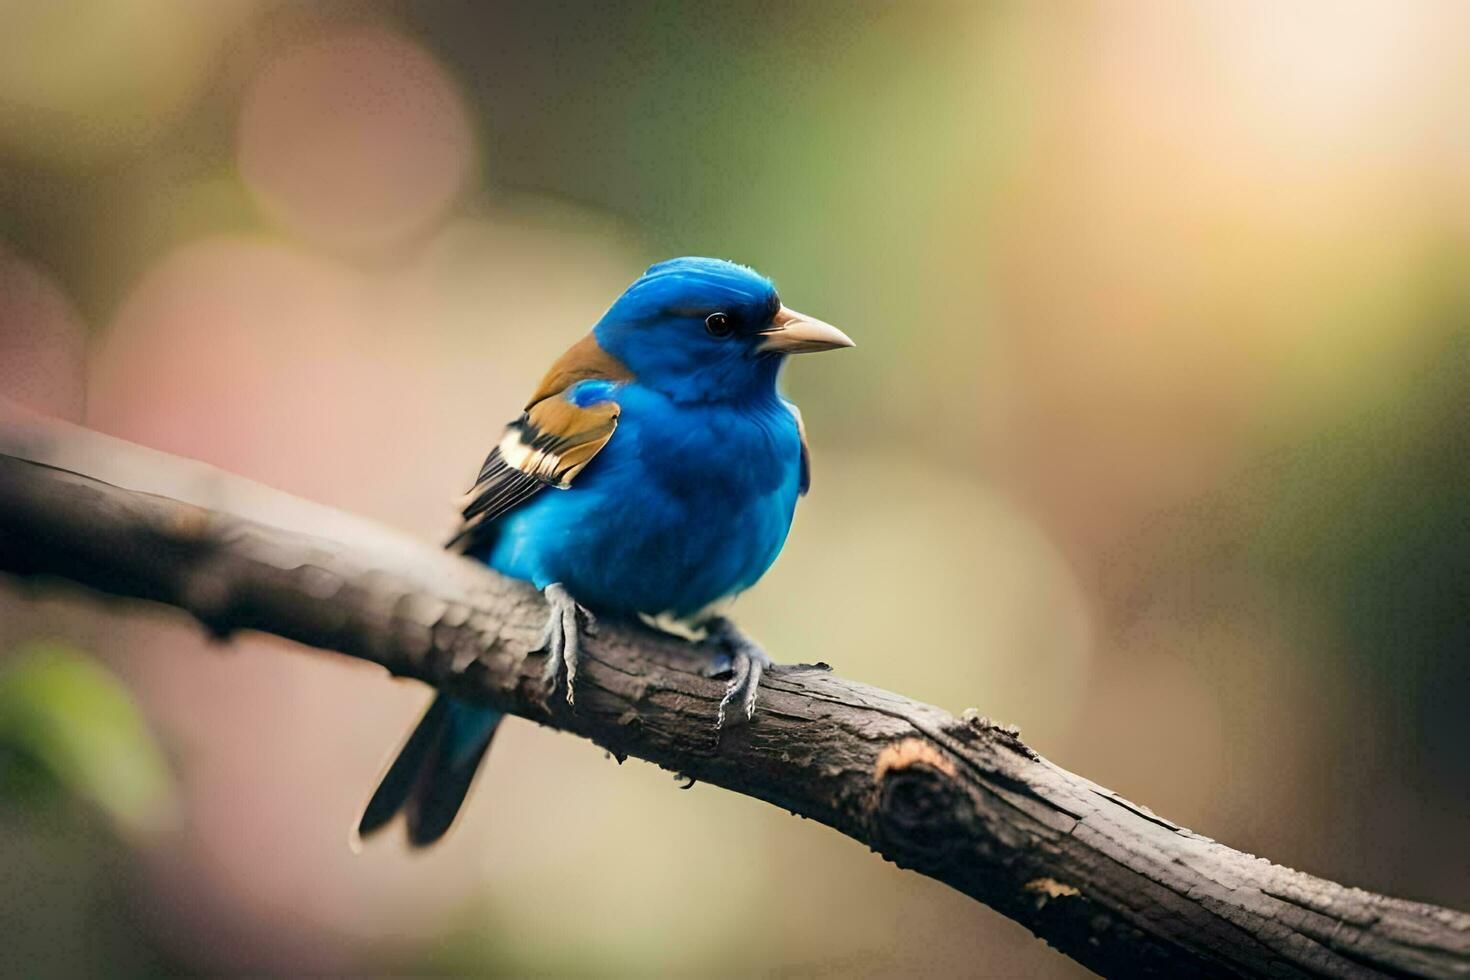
x,y
708,330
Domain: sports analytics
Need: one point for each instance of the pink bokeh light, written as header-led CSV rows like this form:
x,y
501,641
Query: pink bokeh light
x,y
355,141
42,342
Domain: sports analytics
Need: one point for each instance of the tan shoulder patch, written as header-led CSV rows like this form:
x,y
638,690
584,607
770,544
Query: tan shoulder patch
x,y
555,438
584,360
548,445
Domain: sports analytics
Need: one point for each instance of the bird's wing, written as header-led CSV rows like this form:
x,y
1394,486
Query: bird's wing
x,y
806,451
569,418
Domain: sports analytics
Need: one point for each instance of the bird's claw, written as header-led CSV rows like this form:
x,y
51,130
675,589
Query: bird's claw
x,y
561,640
745,661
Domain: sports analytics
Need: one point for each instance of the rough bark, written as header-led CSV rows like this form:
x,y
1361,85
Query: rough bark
x,y
1109,883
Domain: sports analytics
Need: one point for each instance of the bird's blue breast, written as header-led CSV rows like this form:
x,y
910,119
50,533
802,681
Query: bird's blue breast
x,y
685,506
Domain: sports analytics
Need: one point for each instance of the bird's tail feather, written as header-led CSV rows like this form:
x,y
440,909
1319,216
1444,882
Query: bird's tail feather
x,y
428,780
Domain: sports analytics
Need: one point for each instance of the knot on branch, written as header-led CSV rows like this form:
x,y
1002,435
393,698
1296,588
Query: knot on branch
x,y
189,539
918,806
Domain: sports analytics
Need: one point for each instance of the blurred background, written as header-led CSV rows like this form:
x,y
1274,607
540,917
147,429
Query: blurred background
x,y
1155,442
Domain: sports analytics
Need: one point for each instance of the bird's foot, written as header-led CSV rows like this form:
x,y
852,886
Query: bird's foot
x,y
561,640
746,661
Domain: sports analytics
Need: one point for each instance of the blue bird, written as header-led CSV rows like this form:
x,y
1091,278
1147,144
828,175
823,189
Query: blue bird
x,y
674,465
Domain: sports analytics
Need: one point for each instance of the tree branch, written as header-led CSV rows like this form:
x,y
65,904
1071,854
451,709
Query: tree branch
x,y
958,799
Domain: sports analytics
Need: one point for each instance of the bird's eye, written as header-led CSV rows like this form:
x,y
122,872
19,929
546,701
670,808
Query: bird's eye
x,y
718,325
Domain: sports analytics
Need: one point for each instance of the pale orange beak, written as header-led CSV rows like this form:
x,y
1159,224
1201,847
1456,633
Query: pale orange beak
x,y
791,332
